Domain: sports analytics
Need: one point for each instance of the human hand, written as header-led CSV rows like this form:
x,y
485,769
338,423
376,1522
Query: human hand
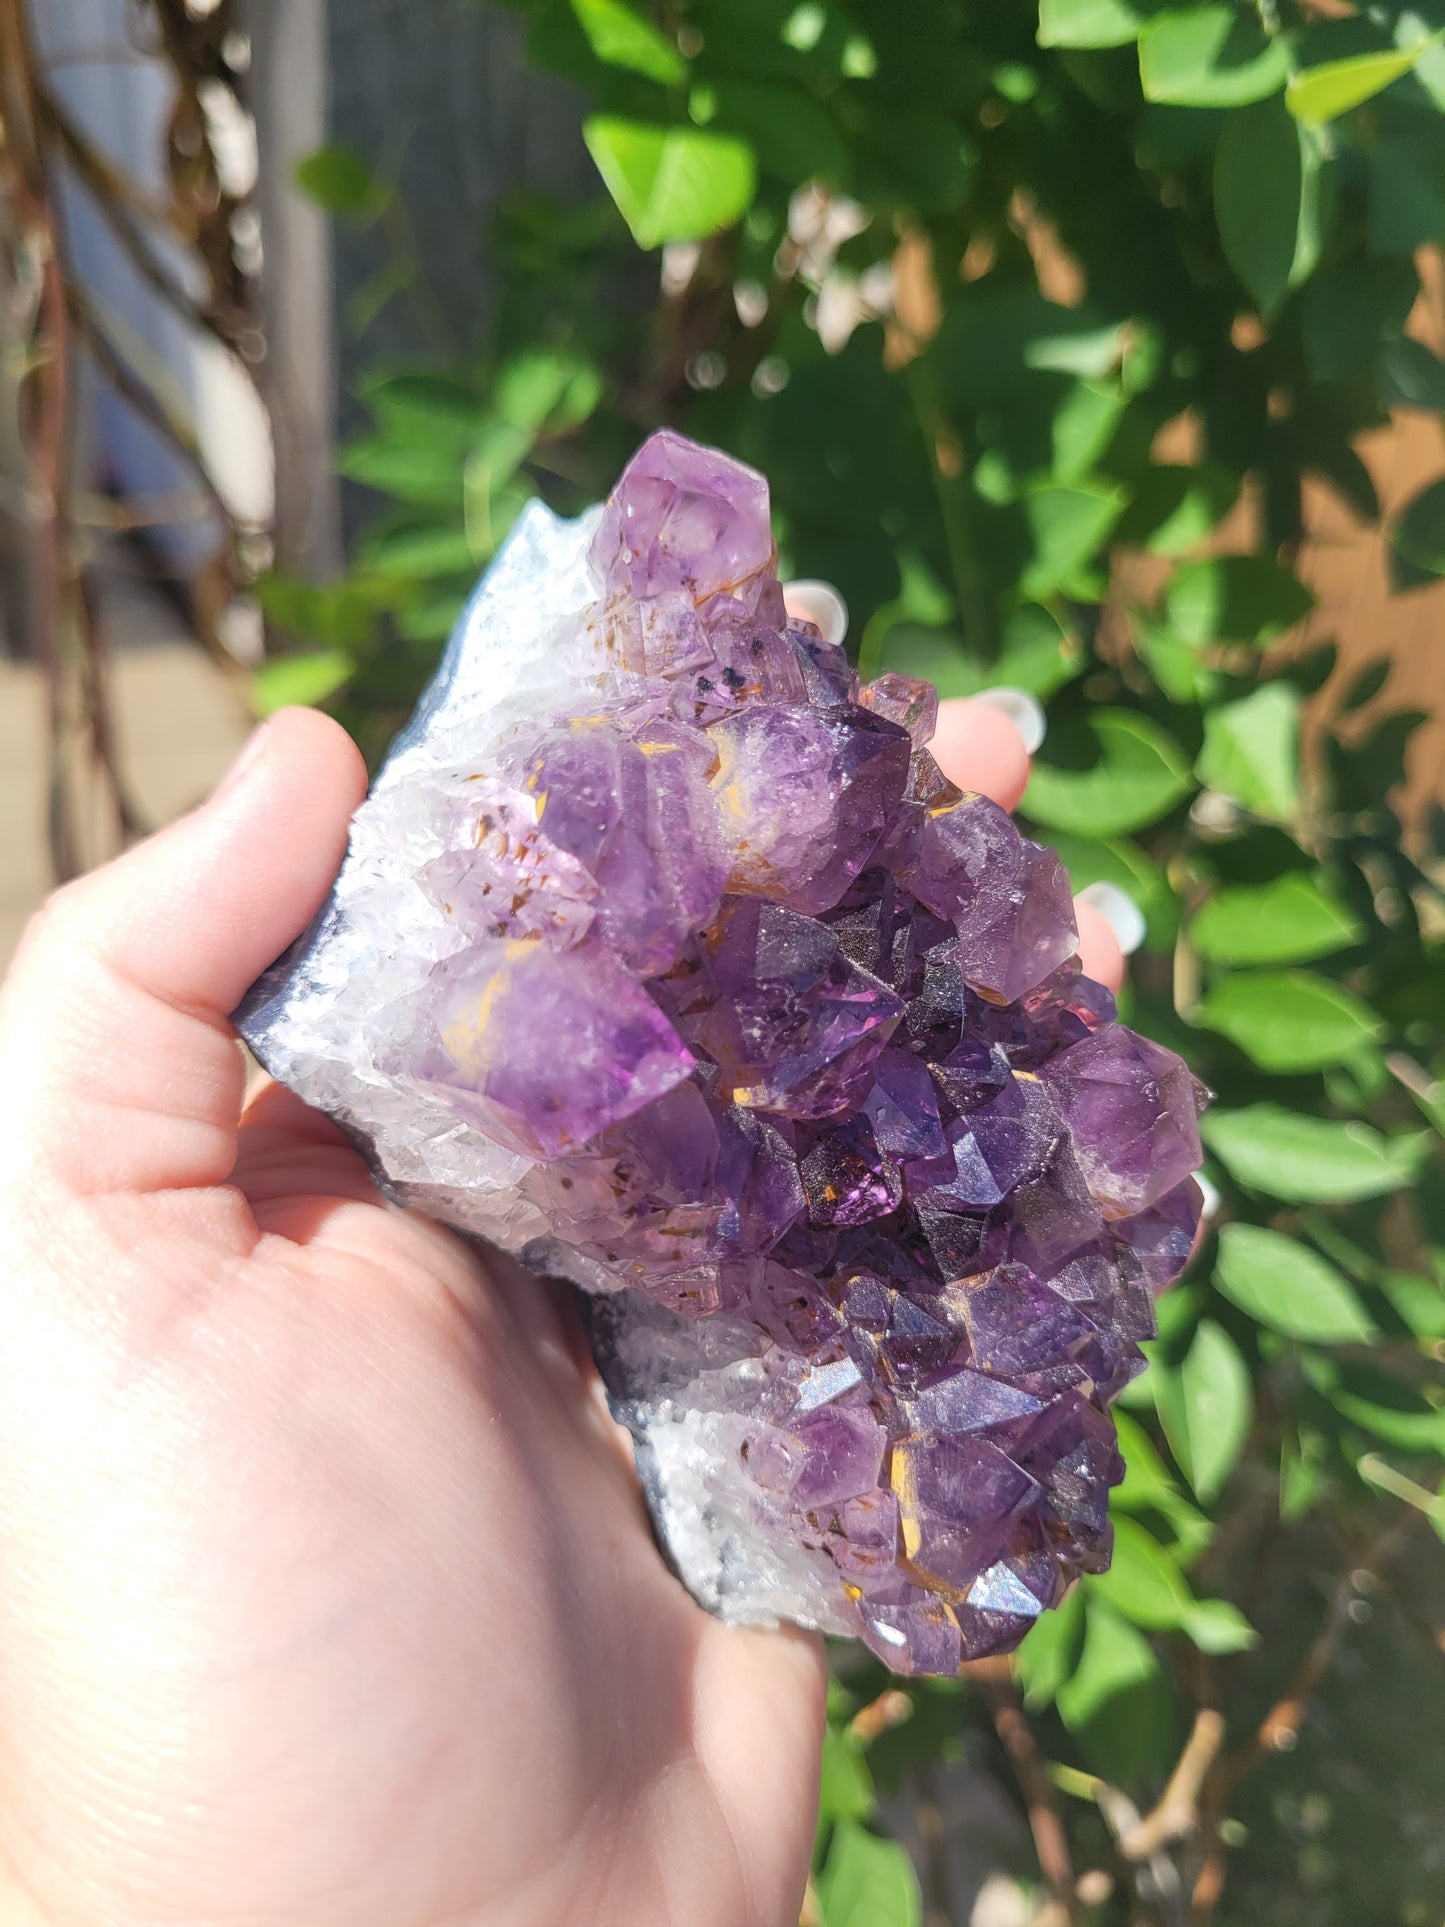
x,y
328,1596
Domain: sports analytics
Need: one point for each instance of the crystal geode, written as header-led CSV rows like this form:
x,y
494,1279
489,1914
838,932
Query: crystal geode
x,y
666,958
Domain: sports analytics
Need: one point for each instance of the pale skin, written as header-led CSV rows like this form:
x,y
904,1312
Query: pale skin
x,y
326,1595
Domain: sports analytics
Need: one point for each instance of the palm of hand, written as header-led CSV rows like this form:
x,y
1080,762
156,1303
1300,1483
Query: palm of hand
x,y
351,1598
326,1592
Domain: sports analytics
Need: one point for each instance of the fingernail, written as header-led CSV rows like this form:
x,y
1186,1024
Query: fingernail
x,y
818,603
246,758
1022,710
1119,911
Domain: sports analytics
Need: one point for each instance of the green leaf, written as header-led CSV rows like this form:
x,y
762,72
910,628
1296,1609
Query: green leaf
x,y
671,183
1036,652
1292,919
1050,1650
544,388
1216,1626
1251,751
422,553
1116,1699
1205,1408
1407,197
425,405
1180,669
1269,200
338,180
299,679
868,1882
1083,426
1174,507
1289,1020
793,137
1320,94
1417,539
1143,1581
621,37
1088,23
1310,1160
846,1790
1301,1473
1133,773
1411,376
1235,598
1419,1301
1285,1285
1146,1480
1068,526
428,473
1350,308
1392,1409
1212,56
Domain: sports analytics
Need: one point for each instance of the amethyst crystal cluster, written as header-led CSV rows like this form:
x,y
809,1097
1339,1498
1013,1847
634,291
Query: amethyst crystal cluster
x,y
666,957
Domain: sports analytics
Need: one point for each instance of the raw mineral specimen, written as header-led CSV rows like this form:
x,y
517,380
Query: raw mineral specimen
x,y
666,958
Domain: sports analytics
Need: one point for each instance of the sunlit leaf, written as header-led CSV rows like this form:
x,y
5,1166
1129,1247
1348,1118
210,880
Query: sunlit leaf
x,y
425,471
1067,525
621,37
1285,1285
1205,1407
671,183
868,1881
338,180
1289,1020
1216,1626
1050,1650
1135,774
846,1790
1309,1160
1116,1699
1173,507
543,388
1320,94
1235,598
310,678
1089,23
1143,1581
1292,919
1210,56
1251,751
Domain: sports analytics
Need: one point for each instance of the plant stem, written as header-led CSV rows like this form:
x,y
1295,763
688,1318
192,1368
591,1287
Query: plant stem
x,y
1016,1736
970,588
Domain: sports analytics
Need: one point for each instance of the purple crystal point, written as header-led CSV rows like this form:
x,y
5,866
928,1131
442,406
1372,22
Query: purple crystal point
x,y
667,958
683,518
1132,1112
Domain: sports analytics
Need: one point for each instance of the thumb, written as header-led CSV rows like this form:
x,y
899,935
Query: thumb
x,y
119,1066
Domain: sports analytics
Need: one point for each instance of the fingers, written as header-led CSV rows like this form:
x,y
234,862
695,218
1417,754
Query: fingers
x,y
121,1069
978,746
1099,951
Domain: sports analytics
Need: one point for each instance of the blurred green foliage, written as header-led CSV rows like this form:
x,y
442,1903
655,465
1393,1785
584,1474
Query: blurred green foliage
x,y
945,272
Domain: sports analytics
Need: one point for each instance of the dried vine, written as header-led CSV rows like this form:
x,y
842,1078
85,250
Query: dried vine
x,y
57,326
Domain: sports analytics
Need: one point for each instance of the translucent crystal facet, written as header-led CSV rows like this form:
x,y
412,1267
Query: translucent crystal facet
x,y
665,957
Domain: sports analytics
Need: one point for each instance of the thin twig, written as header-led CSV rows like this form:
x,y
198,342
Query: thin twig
x,y
1016,1736
1177,1811
114,197
1279,1730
